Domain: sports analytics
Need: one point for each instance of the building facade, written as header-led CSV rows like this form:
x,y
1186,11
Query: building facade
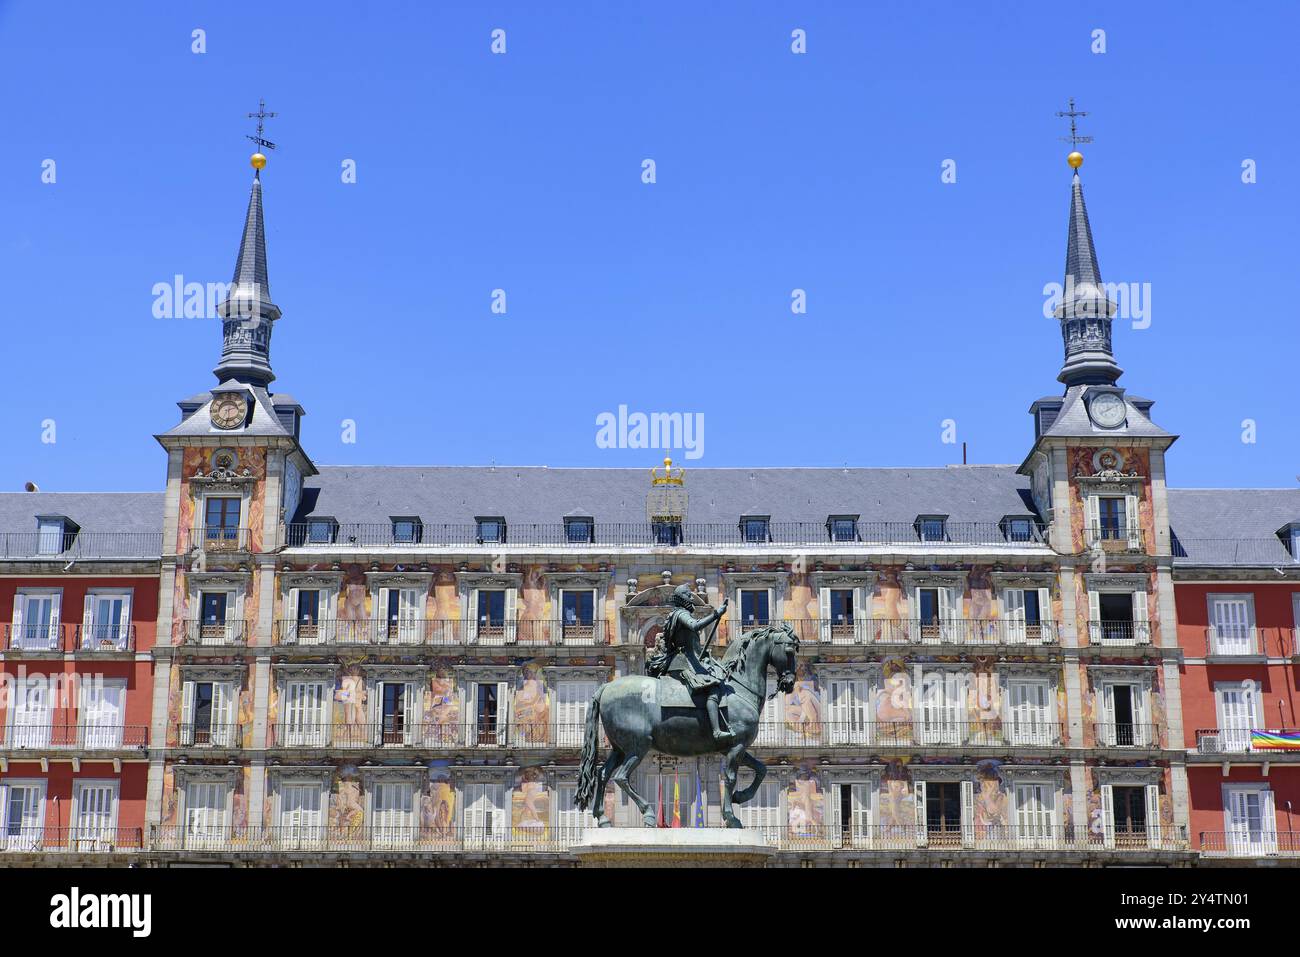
x,y
373,664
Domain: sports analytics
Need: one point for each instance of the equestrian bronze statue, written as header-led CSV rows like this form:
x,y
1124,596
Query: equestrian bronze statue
x,y
681,705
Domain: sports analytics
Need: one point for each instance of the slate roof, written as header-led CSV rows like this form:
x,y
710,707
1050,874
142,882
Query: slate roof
x,y
112,524
541,495
1230,526
1073,418
264,421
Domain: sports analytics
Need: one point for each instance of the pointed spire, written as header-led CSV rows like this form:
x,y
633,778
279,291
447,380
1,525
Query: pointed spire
x,y
1085,312
248,312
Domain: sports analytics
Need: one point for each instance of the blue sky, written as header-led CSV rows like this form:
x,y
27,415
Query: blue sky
x,y
522,172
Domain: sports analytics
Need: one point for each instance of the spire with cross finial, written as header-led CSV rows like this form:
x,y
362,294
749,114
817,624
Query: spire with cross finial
x,y
247,312
1085,311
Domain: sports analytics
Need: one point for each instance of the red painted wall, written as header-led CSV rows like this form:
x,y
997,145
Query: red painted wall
x,y
1205,786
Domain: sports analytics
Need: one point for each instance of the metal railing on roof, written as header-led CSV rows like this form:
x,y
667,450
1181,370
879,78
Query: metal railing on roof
x,y
64,546
652,534
1267,552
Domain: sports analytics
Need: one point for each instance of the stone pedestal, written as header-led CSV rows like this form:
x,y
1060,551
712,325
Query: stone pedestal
x,y
673,847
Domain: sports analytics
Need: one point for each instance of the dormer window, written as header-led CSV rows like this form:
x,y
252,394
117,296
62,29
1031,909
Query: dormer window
x,y
579,530
842,528
54,534
321,531
407,530
666,532
1290,535
491,530
755,528
1019,528
932,528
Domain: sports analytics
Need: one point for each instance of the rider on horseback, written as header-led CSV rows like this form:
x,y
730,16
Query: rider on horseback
x,y
688,661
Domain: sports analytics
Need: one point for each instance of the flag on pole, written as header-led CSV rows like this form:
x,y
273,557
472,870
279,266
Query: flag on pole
x,y
677,800
699,800
661,822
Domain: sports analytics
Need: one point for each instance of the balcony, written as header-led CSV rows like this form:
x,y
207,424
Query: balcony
x,y
1115,538
427,736
1118,633
413,632
215,634
68,546
216,540
34,637
71,840
1126,734
1248,642
74,737
1272,743
1250,841
106,639
217,735
603,536
910,735
967,632
449,839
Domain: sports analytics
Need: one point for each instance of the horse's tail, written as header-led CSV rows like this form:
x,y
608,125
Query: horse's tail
x,y
588,769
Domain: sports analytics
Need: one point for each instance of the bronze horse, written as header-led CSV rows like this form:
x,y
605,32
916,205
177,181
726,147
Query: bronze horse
x,y
641,714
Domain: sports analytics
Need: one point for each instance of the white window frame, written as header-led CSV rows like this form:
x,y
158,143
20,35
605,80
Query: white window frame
x,y
849,697
1151,795
572,705
321,631
292,835
1242,842
234,612
224,731
1142,725
411,701
575,637
951,591
297,725
1130,534
1040,833
30,836
863,796
100,836
566,820
1140,615
1232,739
388,828
211,834
1015,622
119,630
481,634
496,737
50,641
1246,642
1035,730
480,829
31,734
94,735
966,784
939,722
51,528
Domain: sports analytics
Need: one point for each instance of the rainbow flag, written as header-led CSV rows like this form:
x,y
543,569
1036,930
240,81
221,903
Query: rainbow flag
x,y
1275,740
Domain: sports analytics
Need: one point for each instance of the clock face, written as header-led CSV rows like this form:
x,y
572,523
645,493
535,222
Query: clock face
x,y
1107,410
228,411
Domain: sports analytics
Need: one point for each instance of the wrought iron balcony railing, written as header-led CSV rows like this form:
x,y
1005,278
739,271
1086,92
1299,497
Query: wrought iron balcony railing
x,y
915,733
79,737
1120,633
208,734
435,631
1258,840
903,631
504,836
655,534
1125,734
92,839
1130,538
1247,740
80,544
100,637
398,733
216,633
1228,642
216,539
34,636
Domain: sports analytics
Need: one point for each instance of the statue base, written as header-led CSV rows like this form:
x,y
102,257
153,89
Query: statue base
x,y
673,847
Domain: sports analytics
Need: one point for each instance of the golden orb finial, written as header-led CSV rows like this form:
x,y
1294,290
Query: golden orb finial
x,y
258,160
1075,159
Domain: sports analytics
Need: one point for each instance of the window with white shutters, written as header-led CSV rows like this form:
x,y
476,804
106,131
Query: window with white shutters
x,y
304,723
31,721
106,620
1029,712
771,723
96,814
36,621
22,814
1249,820
1035,815
569,821
572,699
941,707
1238,714
302,815
393,814
206,807
208,713
1232,625
847,711
103,711
486,820
764,809
852,814
490,712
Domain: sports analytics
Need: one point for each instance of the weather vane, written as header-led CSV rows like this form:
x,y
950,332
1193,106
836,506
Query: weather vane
x,y
1074,139
261,115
